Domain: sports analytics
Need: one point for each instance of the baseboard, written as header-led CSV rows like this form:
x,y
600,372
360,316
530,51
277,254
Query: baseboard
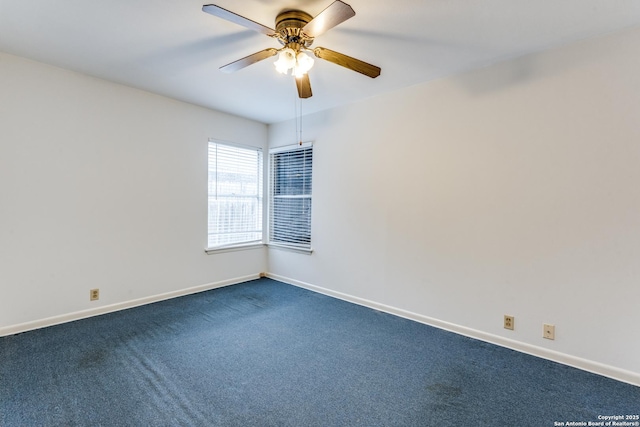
x,y
565,359
576,362
83,314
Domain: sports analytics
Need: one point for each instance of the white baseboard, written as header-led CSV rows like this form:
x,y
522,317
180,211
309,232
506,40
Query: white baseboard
x,y
576,362
83,314
565,359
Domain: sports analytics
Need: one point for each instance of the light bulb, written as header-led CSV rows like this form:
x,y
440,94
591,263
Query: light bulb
x,y
298,72
281,67
286,60
304,63
288,56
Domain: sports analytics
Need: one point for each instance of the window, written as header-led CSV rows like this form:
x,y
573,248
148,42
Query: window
x,y
290,196
235,195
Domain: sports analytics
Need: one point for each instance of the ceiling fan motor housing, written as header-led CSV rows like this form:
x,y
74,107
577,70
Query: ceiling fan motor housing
x,y
289,26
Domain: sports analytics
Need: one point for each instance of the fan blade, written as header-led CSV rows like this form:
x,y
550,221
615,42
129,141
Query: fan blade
x,y
304,86
237,19
347,62
335,14
248,60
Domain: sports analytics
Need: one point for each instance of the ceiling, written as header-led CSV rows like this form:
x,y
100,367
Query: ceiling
x,y
172,48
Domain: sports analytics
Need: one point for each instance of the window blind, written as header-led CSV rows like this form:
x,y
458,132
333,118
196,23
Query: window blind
x,y
235,195
290,196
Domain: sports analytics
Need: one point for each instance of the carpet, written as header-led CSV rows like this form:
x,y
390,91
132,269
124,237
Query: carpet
x,y
264,353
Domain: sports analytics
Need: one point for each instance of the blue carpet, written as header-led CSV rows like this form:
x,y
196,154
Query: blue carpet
x,y
264,353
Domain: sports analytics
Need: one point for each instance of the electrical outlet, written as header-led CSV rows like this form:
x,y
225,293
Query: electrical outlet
x,y
94,294
509,322
549,332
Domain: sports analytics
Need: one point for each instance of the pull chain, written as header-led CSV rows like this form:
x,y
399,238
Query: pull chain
x,y
298,118
295,110
300,136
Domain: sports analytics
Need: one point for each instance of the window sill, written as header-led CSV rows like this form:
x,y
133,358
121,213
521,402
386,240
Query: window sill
x,y
307,251
234,248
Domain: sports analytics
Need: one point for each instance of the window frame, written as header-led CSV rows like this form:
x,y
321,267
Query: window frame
x,y
302,248
240,245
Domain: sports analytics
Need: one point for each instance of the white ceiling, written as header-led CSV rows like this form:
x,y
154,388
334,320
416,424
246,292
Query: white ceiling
x,y
172,48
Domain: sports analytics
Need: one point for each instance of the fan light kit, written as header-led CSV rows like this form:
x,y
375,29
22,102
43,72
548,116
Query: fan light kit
x,y
299,63
296,31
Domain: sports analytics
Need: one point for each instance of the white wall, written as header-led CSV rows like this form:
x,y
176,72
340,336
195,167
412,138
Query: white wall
x,y
508,190
104,186
513,189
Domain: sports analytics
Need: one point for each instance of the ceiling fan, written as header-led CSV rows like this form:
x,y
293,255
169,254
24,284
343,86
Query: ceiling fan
x,y
296,31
